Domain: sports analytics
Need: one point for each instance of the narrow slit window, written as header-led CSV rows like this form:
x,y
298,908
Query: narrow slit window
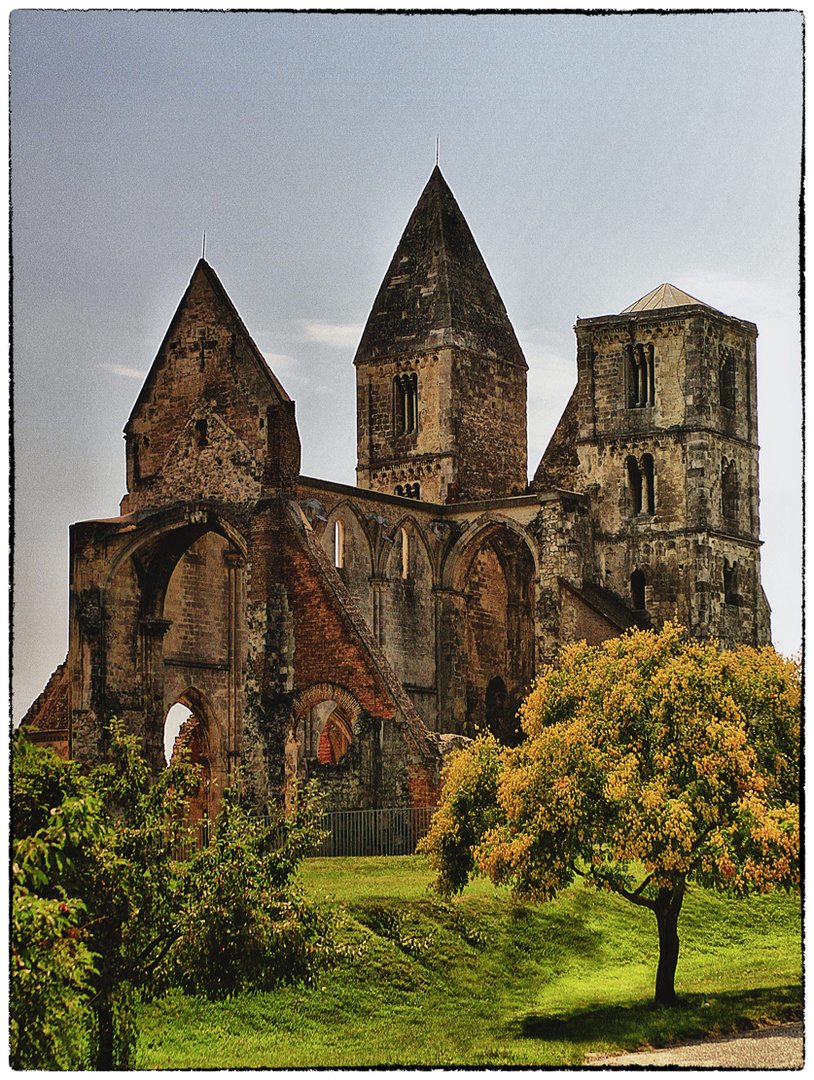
x,y
730,583
201,433
405,553
339,545
644,383
651,375
633,378
648,482
634,481
729,494
727,380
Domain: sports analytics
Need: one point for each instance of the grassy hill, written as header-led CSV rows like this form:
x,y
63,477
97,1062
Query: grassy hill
x,y
481,981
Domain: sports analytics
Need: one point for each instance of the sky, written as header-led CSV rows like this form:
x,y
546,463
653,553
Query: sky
x,y
593,156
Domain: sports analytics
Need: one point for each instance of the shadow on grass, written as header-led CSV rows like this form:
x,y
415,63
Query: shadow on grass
x,y
629,1026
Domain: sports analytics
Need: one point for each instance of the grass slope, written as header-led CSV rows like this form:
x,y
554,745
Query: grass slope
x,y
481,981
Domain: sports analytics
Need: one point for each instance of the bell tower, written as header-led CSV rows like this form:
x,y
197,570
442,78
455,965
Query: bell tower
x,y
667,407
440,376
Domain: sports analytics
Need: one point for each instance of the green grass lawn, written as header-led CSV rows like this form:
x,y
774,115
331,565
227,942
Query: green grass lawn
x,y
481,981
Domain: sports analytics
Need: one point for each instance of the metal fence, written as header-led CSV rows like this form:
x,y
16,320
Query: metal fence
x,y
393,831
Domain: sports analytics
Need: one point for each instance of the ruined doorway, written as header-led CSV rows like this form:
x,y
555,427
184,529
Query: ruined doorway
x,y
187,734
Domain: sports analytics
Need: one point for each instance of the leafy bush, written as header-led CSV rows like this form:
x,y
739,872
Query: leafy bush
x,y
104,915
244,924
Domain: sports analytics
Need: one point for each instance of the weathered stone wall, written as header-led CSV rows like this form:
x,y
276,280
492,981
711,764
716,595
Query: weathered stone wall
x,y
489,427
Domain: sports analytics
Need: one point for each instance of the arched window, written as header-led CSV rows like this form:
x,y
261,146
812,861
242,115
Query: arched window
x,y
634,483
399,490
405,403
641,376
729,494
637,587
648,492
339,544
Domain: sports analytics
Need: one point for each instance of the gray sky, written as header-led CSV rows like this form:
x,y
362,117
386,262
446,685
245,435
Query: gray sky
x,y
594,158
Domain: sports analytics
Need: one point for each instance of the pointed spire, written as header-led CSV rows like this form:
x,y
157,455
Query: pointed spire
x,y
437,290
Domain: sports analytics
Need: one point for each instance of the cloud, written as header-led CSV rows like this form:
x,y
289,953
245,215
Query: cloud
x,y
286,368
126,372
339,337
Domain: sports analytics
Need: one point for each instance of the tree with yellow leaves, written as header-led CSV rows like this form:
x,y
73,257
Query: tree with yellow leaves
x,y
648,762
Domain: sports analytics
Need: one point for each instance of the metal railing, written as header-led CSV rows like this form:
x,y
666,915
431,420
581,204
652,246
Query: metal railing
x,y
389,831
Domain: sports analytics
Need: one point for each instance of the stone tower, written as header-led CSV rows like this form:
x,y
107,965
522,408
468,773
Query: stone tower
x,y
667,445
440,376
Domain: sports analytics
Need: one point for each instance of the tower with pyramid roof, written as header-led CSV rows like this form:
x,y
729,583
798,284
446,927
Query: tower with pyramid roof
x,y
665,419
440,376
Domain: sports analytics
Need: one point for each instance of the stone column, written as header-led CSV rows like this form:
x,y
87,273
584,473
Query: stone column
x,y
234,710
152,633
379,593
451,663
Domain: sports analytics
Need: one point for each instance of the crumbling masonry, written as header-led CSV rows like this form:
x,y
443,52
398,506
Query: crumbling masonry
x,y
351,633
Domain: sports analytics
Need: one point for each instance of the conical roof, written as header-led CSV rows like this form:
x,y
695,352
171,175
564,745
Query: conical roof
x,y
663,296
437,290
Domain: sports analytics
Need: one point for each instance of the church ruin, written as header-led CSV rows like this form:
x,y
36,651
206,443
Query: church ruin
x,y
350,633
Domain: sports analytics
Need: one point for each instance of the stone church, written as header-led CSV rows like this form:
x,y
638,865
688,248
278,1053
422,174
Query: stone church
x,y
352,633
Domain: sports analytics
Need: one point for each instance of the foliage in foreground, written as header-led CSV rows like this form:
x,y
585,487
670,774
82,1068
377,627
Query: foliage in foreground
x,y
479,981
103,913
651,755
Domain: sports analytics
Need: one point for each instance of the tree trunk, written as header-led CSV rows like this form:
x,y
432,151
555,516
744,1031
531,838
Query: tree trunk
x,y
104,1019
667,909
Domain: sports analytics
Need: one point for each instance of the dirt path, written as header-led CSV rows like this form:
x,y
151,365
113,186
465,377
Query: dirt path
x,y
777,1047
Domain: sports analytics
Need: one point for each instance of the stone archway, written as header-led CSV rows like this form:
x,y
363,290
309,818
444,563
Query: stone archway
x,y
324,723
179,592
199,740
493,598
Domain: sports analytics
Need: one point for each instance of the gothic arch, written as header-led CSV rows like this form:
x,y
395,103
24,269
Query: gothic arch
x,y
458,562
322,739
386,553
355,525
491,576
155,561
178,592
317,693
